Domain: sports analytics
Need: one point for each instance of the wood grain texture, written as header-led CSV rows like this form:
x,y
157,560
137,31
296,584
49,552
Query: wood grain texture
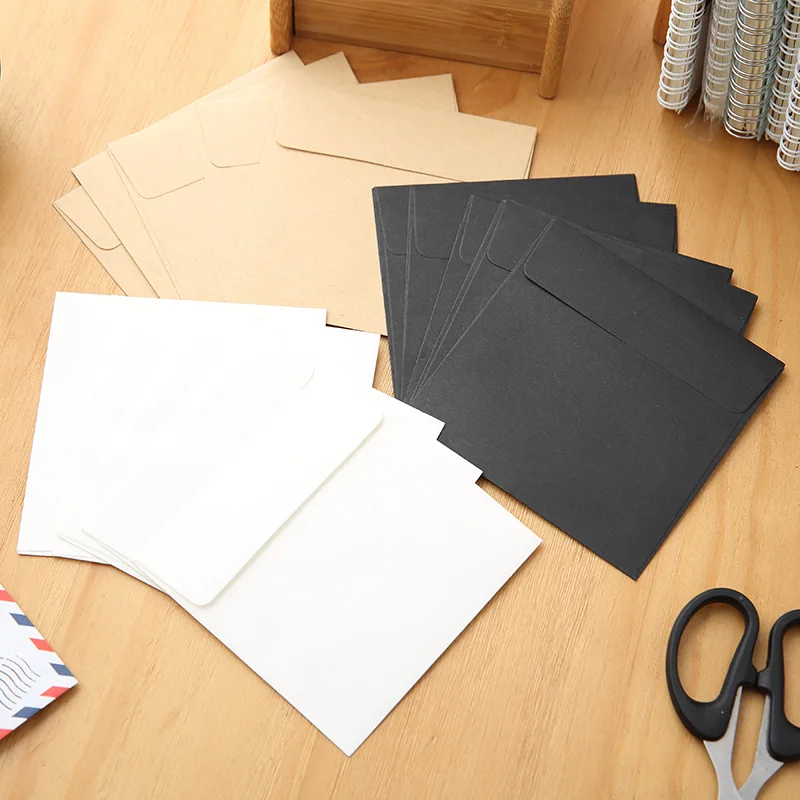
x,y
281,26
557,33
557,689
503,33
661,22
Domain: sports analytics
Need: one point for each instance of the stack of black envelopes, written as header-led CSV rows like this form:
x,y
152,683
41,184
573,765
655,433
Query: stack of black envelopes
x,y
587,368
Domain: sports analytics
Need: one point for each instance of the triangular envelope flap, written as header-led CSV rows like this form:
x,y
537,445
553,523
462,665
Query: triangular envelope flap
x,y
650,319
214,535
478,219
391,203
400,135
79,209
164,157
518,227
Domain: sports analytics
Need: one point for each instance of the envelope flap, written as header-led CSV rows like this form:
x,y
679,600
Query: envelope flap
x,y
234,130
234,127
164,157
401,136
478,219
392,205
78,207
517,227
297,450
428,91
437,219
559,193
256,77
649,318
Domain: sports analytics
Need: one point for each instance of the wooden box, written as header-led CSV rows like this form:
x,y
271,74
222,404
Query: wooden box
x,y
528,35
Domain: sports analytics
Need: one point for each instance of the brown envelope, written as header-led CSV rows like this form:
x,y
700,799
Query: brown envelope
x,y
102,181
103,243
162,168
309,238
234,132
99,178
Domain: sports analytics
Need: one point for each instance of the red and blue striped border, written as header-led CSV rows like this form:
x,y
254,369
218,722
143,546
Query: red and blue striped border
x,y
21,673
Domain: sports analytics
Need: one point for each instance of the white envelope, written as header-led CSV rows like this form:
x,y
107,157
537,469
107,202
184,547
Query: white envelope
x,y
290,454
368,583
111,359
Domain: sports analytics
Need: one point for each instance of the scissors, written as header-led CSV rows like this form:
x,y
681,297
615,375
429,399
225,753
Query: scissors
x,y
715,722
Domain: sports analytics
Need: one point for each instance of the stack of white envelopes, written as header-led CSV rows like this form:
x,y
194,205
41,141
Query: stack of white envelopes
x,y
236,457
260,192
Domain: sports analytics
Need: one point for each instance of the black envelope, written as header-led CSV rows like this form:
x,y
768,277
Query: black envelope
x,y
433,226
391,224
444,208
480,265
596,396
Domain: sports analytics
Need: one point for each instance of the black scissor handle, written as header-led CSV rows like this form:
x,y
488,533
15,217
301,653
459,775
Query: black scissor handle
x,y
783,741
709,721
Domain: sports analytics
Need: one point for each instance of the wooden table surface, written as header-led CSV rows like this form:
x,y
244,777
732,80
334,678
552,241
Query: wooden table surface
x,y
557,690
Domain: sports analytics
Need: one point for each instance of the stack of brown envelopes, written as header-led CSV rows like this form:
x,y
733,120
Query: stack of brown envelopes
x,y
260,191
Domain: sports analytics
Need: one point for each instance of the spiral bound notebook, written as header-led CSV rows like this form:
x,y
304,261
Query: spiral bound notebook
x,y
717,72
784,70
684,52
755,50
789,148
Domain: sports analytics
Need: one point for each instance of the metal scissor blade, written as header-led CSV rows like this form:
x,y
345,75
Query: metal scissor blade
x,y
764,766
721,754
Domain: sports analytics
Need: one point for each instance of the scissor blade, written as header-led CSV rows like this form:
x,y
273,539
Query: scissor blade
x,y
721,755
765,766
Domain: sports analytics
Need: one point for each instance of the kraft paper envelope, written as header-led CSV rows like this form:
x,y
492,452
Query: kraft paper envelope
x,y
234,131
316,175
162,169
101,179
83,216
351,605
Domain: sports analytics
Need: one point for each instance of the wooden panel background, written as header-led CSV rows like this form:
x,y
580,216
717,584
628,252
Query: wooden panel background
x,y
503,33
557,689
